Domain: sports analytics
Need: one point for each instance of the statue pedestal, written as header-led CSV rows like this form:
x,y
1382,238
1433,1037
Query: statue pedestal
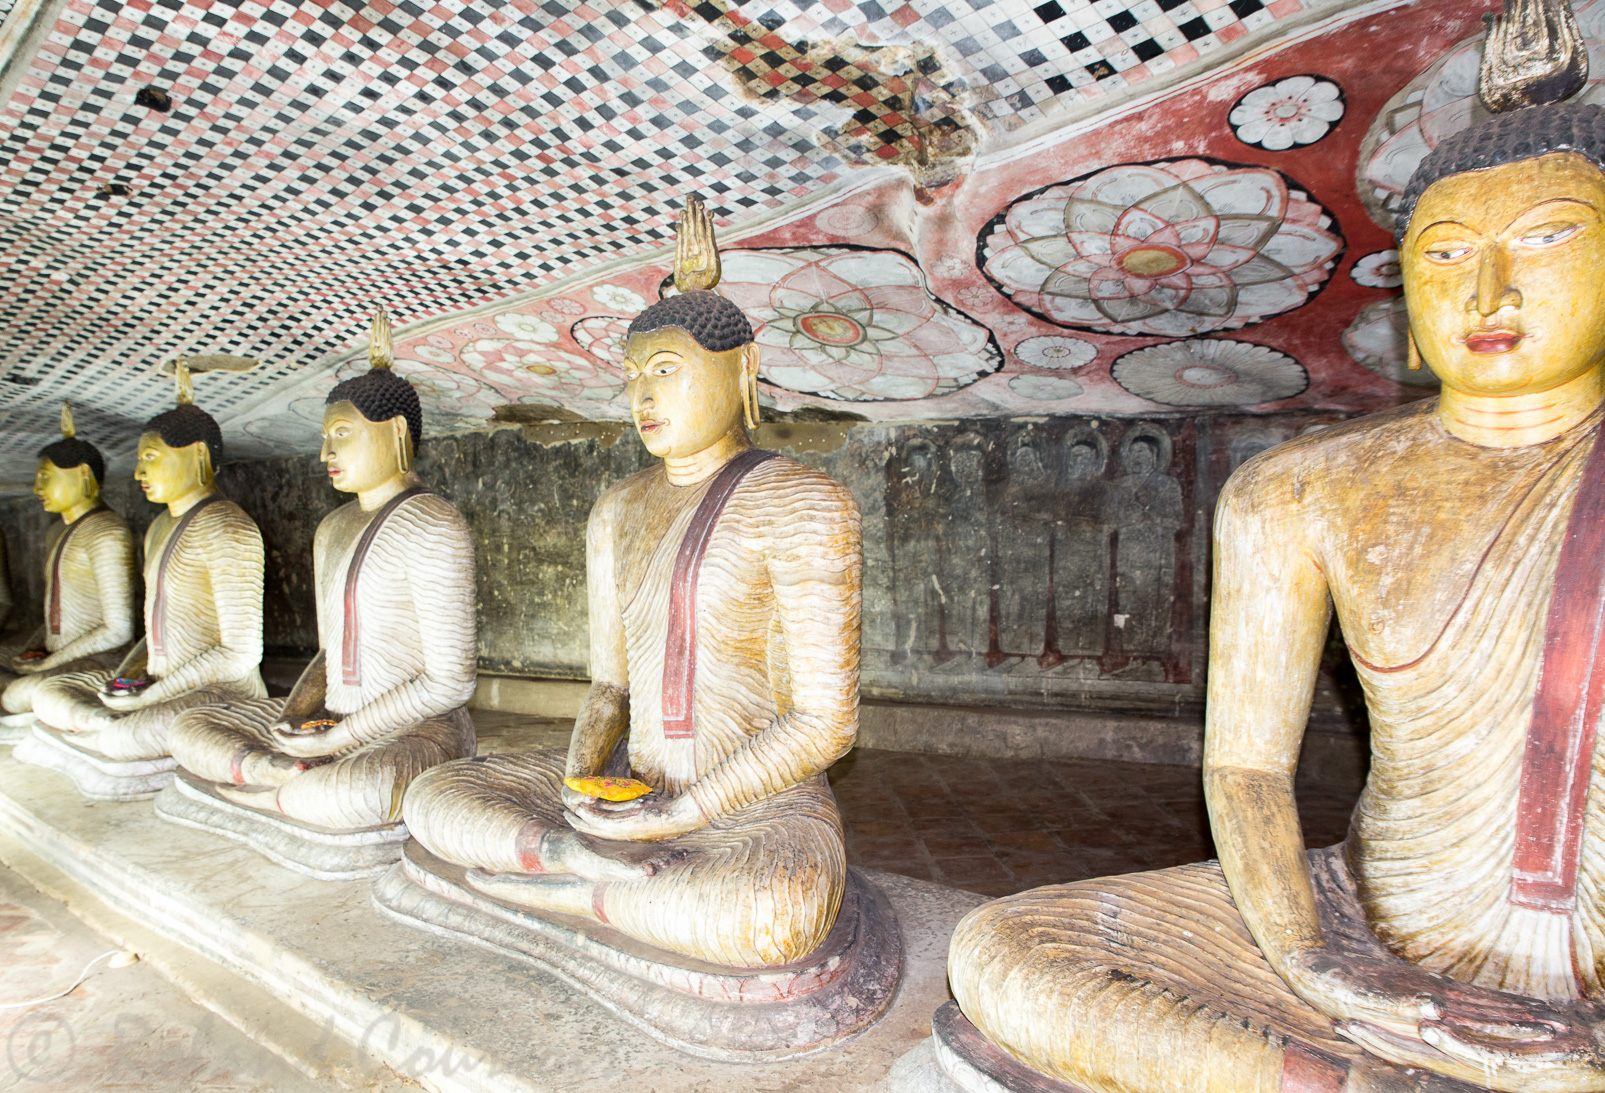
x,y
16,727
710,1010
321,852
973,1064
97,778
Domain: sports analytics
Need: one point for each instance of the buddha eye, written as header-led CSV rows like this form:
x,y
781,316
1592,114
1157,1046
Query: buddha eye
x,y
1448,252
1550,234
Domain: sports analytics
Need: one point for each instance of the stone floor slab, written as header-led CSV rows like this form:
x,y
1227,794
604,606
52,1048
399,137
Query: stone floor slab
x,y
445,1014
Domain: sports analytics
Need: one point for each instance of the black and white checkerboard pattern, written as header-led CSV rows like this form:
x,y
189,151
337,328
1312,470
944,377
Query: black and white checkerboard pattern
x,y
321,157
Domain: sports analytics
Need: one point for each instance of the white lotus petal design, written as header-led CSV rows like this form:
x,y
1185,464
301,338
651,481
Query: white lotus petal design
x,y
1210,372
1297,110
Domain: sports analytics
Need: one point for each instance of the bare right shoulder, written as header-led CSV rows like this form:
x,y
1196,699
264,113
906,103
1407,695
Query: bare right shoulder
x,y
1312,478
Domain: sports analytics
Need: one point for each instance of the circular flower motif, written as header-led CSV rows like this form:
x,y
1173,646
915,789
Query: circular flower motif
x,y
1210,372
523,368
526,328
602,336
847,221
618,298
1044,388
564,306
1376,341
1179,248
1297,110
432,353
950,265
858,325
1378,270
1052,352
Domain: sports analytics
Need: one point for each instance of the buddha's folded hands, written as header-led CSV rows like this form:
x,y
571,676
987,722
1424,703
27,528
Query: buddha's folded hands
x,y
640,820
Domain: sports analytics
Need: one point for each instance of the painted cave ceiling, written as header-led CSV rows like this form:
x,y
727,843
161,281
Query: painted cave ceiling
x,y
939,209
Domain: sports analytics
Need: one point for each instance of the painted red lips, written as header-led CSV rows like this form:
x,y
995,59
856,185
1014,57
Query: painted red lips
x,y
1493,341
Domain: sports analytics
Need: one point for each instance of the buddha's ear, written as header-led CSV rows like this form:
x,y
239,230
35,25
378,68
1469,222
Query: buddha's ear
x,y
204,471
91,487
403,435
749,385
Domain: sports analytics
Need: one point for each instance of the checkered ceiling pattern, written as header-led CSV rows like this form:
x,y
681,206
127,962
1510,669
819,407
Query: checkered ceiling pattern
x,y
320,157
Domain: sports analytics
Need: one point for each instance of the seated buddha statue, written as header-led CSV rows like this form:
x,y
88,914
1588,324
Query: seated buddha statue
x,y
89,580
384,698
1456,940
203,606
724,590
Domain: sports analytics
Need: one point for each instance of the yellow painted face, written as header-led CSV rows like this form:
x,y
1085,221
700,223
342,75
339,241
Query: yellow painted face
x,y
59,490
684,399
168,474
359,453
1502,274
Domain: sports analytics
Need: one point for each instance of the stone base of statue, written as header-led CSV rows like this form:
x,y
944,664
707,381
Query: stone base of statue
x,y
97,778
709,1010
965,1061
15,727
321,852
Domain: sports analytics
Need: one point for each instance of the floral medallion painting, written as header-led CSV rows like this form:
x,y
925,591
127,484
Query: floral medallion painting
x,y
1210,372
1177,248
855,324
1294,111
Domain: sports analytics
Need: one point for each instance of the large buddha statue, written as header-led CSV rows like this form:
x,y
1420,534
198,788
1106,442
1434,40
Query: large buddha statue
x,y
89,581
724,591
1457,939
107,729
383,700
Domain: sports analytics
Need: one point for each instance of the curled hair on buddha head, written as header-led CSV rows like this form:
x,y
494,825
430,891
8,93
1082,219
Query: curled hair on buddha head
x,y
1534,58
70,452
379,394
187,423
713,322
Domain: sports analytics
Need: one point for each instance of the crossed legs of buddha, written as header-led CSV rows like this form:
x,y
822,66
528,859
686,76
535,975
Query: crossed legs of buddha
x,y
70,704
759,887
231,744
1151,983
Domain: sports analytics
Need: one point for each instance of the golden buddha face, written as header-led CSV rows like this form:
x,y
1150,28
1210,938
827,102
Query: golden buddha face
x,y
60,490
360,454
683,398
1502,274
170,474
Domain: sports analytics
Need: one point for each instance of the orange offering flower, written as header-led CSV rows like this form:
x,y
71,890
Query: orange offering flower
x,y
609,789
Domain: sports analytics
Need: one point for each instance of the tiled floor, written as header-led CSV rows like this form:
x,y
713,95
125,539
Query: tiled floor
x,y
998,826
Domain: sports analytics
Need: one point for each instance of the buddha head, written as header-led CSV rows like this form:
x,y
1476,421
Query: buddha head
x,y
372,423
70,471
1502,227
690,359
180,449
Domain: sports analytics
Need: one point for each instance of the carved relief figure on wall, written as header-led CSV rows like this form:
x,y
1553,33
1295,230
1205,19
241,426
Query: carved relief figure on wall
x,y
1146,511
107,729
1081,547
915,530
1026,522
1456,941
384,698
725,597
966,563
89,581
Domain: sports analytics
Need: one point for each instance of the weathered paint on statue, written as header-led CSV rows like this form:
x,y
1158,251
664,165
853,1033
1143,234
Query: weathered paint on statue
x,y
725,592
203,602
1458,939
89,576
384,699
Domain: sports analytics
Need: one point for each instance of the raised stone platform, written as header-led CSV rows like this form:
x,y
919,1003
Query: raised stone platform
x,y
706,1009
319,852
95,776
958,1059
15,727
447,1014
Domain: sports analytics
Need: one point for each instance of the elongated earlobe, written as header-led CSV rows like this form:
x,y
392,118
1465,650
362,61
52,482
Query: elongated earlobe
x,y
1412,354
749,386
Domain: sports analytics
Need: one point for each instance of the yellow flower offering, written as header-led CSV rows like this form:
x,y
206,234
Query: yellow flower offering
x,y
609,789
